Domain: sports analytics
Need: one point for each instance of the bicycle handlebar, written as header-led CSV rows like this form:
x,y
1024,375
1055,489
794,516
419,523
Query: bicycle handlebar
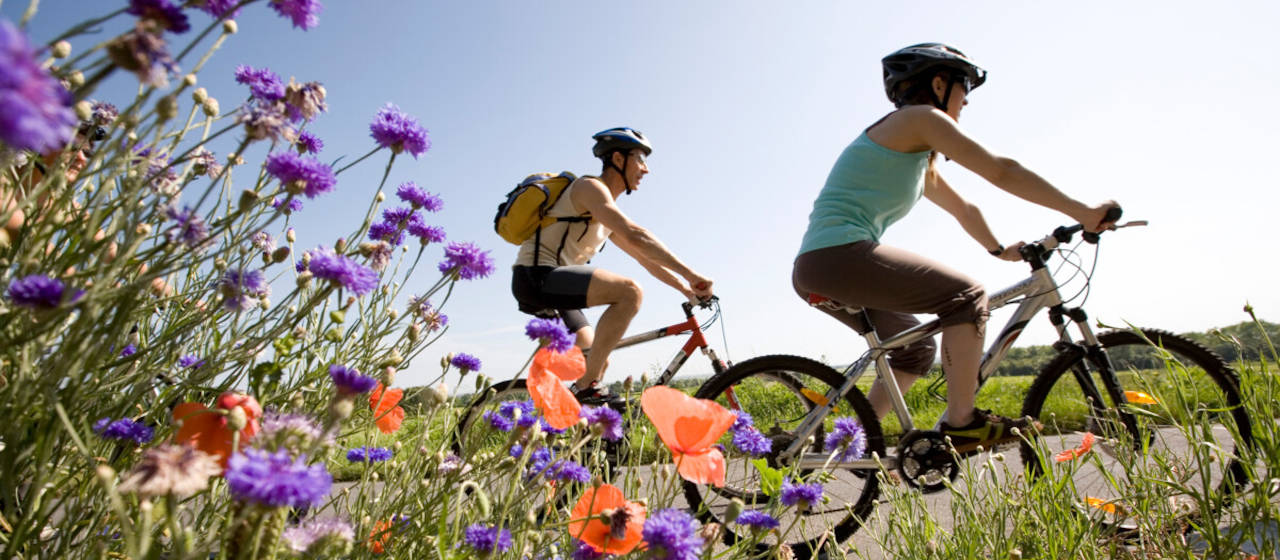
x,y
1063,234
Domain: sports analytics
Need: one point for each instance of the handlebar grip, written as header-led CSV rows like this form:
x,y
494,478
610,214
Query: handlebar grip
x,y
701,286
1113,214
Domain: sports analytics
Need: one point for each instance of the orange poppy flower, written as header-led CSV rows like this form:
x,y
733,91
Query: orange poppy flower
x,y
386,414
1086,445
379,537
207,430
547,374
619,537
689,427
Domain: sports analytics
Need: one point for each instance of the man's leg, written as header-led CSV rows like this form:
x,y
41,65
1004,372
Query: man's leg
x,y
623,296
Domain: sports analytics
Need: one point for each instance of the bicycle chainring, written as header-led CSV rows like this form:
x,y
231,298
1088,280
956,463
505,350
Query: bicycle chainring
x,y
925,461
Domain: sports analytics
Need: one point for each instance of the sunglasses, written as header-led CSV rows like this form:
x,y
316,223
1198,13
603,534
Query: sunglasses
x,y
91,135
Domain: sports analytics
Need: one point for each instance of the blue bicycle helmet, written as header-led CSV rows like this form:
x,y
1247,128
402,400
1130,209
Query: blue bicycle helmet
x,y
619,139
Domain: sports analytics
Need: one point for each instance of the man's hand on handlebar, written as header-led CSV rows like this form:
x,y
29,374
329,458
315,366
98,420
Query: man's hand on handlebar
x,y
1100,217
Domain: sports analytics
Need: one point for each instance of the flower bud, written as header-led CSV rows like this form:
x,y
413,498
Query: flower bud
x,y
482,382
229,27
106,475
264,303
340,246
130,121
415,332
304,278
388,376
437,395
393,358
1015,554
167,107
237,419
247,198
290,236
644,380
189,80
381,196
293,309
200,95
333,335
61,49
734,510
76,79
341,409
281,254
220,264
392,314
626,388
446,360
210,107
84,110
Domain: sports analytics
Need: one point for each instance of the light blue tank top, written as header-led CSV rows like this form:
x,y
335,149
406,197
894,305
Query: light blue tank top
x,y
869,188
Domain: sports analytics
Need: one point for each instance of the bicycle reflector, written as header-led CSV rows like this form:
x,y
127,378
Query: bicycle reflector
x,y
1138,397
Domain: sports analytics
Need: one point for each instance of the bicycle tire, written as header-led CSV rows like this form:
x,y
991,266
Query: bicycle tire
x,y
752,380
1194,400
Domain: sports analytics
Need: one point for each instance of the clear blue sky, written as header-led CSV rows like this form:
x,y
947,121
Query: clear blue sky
x,y
1161,105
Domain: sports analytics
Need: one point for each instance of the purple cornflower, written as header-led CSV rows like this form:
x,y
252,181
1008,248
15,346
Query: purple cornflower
x,y
421,307
848,437
499,422
162,12
342,271
304,101
609,420
262,241
205,163
263,120
672,534
305,14
505,419
749,440
466,260
143,52
743,420
411,193
124,429
552,332
392,128
35,110
294,205
263,83
276,479
485,540
401,217
548,428
190,361
756,520
565,470
802,496
241,290
369,454
451,464
466,362
38,291
383,231
309,143
190,229
295,432
219,8
128,350
301,175
427,234
350,381
584,551
326,531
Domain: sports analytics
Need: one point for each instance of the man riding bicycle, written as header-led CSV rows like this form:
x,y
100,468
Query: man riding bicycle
x,y
550,272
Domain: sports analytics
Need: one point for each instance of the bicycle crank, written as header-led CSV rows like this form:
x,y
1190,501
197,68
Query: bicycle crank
x,y
925,461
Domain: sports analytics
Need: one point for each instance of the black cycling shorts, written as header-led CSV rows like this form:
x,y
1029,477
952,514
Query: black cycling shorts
x,y
553,291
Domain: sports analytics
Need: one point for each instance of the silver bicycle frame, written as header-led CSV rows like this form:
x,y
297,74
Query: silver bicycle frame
x,y
1039,291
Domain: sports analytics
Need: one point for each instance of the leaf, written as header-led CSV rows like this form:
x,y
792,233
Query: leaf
x,y
770,478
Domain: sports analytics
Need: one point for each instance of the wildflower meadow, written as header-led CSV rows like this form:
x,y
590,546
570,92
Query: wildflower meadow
x,y
183,375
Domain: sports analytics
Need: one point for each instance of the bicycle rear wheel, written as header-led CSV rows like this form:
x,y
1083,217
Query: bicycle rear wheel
x,y
778,391
1168,448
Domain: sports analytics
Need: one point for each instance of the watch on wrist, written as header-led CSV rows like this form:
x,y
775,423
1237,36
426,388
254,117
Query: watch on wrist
x,y
999,250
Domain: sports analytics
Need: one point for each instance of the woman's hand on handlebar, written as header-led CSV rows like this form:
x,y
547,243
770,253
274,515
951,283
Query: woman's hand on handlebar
x,y
1098,217
699,288
1012,252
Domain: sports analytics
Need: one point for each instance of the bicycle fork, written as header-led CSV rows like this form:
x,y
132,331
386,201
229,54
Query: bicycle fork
x,y
1096,357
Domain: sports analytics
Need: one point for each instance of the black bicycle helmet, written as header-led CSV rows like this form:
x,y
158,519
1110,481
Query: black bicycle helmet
x,y
919,60
619,139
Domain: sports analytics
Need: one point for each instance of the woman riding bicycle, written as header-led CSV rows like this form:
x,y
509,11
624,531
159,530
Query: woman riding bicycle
x,y
874,183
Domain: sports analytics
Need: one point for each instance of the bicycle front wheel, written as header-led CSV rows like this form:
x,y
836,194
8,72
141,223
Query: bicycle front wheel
x,y
778,392
1165,442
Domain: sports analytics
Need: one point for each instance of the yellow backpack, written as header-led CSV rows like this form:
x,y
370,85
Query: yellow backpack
x,y
524,212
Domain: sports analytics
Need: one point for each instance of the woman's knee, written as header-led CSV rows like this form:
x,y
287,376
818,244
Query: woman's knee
x,y
916,359
968,306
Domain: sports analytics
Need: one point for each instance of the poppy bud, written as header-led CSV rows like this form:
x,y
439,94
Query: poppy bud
x,y
626,384
644,380
337,316
280,254
167,107
210,107
237,419
341,409
734,510
61,49
84,110
247,198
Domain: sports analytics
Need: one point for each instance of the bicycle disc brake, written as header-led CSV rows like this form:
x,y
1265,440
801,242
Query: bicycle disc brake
x,y
925,461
